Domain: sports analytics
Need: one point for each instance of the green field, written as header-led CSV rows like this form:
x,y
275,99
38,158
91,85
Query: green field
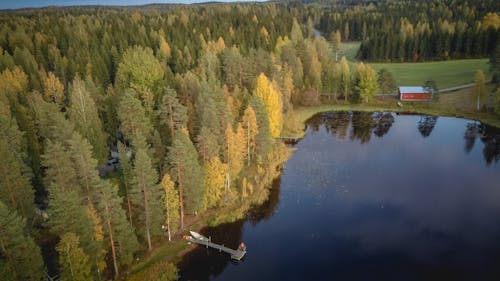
x,y
445,73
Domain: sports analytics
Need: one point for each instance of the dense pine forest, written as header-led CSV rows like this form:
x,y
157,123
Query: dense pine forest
x,y
418,30
118,121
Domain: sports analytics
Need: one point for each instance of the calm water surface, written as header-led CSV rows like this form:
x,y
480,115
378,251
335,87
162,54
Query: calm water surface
x,y
372,196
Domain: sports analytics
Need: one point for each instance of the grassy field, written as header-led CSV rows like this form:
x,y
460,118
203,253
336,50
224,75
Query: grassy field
x,y
445,73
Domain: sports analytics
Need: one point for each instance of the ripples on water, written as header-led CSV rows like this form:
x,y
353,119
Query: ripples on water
x,y
373,196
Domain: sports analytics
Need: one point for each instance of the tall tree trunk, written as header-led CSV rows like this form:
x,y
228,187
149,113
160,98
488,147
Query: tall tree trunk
x,y
181,199
111,240
146,213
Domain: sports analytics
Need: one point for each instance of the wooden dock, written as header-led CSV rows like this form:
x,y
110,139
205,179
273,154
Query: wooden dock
x,y
235,254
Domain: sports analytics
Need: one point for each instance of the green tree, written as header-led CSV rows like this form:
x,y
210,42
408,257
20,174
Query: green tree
x,y
15,186
121,239
386,81
187,173
171,205
140,70
73,262
146,195
83,113
133,118
172,113
126,176
366,82
20,257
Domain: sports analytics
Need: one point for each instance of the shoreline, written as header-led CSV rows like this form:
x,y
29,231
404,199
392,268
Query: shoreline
x,y
209,219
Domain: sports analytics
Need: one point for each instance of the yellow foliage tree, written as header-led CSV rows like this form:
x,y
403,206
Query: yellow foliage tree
x,y
235,147
171,205
53,89
215,177
13,82
271,98
250,129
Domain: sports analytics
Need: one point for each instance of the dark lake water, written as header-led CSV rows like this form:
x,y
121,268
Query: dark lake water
x,y
372,196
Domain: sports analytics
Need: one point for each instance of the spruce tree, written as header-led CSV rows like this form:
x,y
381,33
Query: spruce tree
x,y
20,257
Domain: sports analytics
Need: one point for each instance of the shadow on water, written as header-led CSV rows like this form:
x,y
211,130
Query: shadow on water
x,y
489,136
205,263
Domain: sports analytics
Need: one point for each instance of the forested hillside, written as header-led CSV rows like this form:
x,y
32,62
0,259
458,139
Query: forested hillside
x,y
418,30
192,100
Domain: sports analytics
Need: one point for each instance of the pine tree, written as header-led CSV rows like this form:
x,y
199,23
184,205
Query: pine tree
x,y
121,239
187,173
126,176
271,98
172,113
146,194
171,206
133,119
20,257
207,144
73,262
59,171
83,113
15,186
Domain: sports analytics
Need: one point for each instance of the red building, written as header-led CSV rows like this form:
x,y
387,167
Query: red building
x,y
413,94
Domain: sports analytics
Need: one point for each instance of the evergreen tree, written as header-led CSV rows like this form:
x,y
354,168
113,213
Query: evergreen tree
x,y
73,262
133,119
386,81
121,239
187,173
20,257
126,176
15,187
146,194
171,206
83,113
172,113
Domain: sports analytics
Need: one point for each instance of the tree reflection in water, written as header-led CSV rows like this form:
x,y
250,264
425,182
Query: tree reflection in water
x,y
489,136
426,124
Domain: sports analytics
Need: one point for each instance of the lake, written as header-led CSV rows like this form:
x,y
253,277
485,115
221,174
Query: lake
x,y
372,196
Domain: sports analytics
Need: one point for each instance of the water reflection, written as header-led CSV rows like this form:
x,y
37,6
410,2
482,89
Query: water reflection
x,y
372,196
489,136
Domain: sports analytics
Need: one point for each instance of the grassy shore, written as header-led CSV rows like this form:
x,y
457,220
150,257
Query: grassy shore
x,y
456,104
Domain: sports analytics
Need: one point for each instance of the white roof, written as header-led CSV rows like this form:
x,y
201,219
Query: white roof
x,y
413,89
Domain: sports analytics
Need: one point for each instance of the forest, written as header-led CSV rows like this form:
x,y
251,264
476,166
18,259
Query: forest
x,y
191,99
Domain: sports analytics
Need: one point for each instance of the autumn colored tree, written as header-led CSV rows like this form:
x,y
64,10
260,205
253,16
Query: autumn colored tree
x,y
171,205
53,89
271,98
215,180
345,78
386,81
250,128
479,87
335,39
366,82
